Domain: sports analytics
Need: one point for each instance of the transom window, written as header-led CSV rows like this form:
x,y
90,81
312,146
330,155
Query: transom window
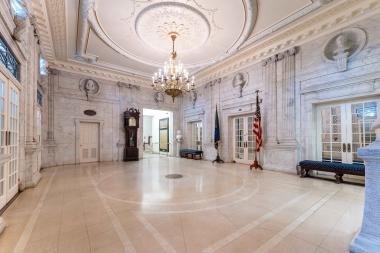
x,y
8,59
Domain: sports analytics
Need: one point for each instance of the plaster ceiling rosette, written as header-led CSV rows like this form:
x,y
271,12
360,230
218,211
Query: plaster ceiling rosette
x,y
154,23
137,31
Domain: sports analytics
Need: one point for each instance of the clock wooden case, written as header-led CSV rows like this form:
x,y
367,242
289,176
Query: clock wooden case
x,y
131,125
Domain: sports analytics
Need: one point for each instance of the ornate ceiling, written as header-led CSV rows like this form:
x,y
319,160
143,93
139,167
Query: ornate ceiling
x,y
138,30
127,40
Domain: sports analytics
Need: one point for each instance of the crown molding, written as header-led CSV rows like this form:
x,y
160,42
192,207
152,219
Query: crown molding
x,y
308,9
39,13
318,22
94,71
330,18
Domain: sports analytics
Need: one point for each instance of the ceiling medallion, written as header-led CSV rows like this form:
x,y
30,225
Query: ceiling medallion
x,y
155,22
173,79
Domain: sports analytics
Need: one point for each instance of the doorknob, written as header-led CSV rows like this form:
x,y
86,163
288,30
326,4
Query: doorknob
x,y
344,147
348,147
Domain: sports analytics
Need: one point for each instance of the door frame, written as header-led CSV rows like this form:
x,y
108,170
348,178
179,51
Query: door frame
x,y
345,116
245,135
77,123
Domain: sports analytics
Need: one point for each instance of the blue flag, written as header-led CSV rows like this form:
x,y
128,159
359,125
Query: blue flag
x,y
217,129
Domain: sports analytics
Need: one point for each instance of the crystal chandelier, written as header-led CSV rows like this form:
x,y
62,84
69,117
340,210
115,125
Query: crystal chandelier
x,y
173,79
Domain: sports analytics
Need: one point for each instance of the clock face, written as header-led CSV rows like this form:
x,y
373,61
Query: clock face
x,y
132,122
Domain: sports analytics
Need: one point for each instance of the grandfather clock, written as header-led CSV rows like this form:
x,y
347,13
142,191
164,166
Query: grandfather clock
x,y
131,125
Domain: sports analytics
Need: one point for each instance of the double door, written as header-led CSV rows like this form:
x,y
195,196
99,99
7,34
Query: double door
x,y
344,128
244,141
9,139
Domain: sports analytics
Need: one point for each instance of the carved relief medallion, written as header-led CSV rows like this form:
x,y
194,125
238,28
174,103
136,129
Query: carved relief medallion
x,y
89,86
343,46
240,81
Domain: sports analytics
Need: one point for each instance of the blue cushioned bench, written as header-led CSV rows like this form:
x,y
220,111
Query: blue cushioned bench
x,y
338,168
191,153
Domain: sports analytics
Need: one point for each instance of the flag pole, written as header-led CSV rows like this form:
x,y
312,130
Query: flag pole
x,y
258,132
217,137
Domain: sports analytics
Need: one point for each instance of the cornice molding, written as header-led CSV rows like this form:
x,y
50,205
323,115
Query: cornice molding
x,y
331,18
328,18
315,5
38,11
91,70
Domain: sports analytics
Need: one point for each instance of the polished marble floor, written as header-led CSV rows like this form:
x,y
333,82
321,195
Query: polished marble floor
x,y
133,207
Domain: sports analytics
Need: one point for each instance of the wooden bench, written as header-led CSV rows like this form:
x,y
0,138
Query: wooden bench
x,y
339,169
191,153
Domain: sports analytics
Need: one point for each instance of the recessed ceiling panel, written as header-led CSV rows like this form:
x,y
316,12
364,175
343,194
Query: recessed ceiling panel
x,y
208,29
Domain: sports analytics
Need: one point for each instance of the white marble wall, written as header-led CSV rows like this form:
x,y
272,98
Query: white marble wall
x,y
291,90
27,52
220,92
67,106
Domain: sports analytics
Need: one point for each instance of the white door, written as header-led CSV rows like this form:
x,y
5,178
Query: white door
x,y
13,140
244,141
3,143
344,128
89,142
197,135
9,139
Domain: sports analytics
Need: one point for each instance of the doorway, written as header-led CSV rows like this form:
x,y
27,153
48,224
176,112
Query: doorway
x,y
9,139
197,135
344,128
157,131
89,142
243,139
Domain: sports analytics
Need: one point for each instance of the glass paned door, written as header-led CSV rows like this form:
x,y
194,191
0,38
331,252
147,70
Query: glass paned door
x,y
9,140
244,141
13,133
3,199
331,134
363,115
197,135
3,146
344,128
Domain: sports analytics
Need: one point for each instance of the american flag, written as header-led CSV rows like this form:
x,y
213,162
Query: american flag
x,y
257,129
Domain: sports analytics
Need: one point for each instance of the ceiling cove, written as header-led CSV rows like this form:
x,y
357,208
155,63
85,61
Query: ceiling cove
x,y
209,31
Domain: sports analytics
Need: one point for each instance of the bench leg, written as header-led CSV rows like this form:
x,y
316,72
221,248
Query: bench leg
x,y
304,172
339,178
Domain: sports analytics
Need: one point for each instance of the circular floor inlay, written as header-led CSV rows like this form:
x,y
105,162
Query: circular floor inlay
x,y
174,176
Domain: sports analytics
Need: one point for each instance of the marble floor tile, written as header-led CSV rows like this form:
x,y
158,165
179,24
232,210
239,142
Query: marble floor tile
x,y
132,207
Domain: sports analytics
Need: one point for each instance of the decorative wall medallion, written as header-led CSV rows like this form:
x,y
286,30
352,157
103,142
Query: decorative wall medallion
x,y
158,97
155,22
193,97
240,81
89,87
90,112
343,46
